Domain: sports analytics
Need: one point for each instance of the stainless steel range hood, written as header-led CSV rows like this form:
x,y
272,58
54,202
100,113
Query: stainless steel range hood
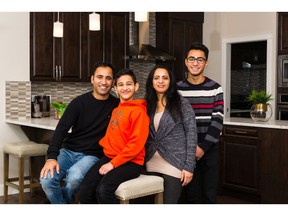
x,y
144,51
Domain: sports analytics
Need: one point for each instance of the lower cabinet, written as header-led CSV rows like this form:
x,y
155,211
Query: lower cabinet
x,y
254,163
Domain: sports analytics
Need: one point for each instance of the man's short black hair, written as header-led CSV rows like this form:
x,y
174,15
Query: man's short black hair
x,y
102,64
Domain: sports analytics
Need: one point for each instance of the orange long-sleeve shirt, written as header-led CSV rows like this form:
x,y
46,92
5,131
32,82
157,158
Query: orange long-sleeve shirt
x,y
126,133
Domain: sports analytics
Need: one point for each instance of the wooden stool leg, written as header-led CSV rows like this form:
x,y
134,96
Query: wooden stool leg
x,y
21,179
124,201
159,198
6,176
31,177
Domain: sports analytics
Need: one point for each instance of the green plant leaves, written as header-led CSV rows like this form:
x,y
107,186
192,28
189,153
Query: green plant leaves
x,y
259,97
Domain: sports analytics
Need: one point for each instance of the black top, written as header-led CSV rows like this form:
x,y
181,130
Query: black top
x,y
88,118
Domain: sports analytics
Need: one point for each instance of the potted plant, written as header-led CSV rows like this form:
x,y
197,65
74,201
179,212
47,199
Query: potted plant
x,y
261,109
59,109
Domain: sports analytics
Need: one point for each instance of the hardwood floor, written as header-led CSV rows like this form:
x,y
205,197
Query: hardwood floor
x,y
40,198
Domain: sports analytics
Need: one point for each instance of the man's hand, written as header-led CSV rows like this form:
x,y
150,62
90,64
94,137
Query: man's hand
x,y
49,166
199,153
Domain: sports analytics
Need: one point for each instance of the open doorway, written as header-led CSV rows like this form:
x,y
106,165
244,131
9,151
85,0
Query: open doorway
x,y
248,72
246,63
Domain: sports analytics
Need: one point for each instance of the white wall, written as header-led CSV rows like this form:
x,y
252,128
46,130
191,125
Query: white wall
x,y
237,24
14,65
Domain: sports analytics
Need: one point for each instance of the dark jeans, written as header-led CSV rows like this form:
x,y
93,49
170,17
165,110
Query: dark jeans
x,y
204,186
97,188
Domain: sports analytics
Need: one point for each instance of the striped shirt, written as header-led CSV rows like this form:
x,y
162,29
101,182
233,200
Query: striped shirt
x,y
207,101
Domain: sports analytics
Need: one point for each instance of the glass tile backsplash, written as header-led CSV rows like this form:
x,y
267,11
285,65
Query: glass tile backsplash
x,y
18,95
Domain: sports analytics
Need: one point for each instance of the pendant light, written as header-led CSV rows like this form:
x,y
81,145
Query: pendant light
x,y
141,16
94,22
58,28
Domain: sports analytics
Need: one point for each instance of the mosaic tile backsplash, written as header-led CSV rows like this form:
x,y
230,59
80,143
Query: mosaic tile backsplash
x,y
18,95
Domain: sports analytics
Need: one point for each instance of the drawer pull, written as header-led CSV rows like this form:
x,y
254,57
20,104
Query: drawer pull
x,y
241,132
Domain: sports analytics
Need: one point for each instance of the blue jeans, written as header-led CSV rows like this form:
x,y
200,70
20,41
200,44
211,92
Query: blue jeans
x,y
73,167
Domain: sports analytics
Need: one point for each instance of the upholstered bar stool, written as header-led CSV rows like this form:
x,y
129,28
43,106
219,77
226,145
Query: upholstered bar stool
x,y
20,151
144,185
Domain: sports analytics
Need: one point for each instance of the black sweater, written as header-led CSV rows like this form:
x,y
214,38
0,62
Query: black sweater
x,y
87,118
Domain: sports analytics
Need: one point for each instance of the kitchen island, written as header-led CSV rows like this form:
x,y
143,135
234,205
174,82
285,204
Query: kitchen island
x,y
36,129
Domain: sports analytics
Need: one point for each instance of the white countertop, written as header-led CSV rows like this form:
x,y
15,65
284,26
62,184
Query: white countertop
x,y
50,123
276,124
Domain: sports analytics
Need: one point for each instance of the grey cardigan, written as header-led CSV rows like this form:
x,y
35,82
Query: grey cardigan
x,y
175,141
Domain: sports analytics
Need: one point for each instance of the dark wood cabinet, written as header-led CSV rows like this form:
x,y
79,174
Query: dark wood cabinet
x,y
176,31
282,33
240,159
72,57
41,46
116,39
254,163
55,59
274,165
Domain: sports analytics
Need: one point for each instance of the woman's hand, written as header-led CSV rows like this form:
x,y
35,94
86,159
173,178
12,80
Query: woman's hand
x,y
106,168
186,177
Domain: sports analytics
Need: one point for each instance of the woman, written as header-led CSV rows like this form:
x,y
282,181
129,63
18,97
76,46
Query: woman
x,y
123,145
171,144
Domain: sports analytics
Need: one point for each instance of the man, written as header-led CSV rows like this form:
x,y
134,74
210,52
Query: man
x,y
206,98
71,155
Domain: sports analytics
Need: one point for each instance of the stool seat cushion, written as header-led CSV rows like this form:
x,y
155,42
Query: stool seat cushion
x,y
26,148
144,185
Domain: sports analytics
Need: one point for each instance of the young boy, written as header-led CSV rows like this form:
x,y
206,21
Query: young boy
x,y
123,145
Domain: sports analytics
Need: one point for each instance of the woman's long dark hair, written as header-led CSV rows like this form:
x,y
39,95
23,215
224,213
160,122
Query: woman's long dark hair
x,y
172,96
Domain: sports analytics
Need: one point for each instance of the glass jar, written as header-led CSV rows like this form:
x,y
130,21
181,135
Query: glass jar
x,y
261,112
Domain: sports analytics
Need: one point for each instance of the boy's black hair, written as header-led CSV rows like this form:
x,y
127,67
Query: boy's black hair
x,y
199,46
125,71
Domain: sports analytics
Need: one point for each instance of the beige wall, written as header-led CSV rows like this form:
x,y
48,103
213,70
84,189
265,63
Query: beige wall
x,y
237,24
228,26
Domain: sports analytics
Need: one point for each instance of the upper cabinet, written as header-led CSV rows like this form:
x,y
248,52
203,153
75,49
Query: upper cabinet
x,y
71,58
176,31
282,33
116,39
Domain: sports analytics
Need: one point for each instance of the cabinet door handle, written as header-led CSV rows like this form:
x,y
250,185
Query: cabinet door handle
x,y
241,132
60,73
56,73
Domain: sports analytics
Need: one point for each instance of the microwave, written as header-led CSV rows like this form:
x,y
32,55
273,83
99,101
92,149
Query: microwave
x,y
282,112
282,71
282,98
